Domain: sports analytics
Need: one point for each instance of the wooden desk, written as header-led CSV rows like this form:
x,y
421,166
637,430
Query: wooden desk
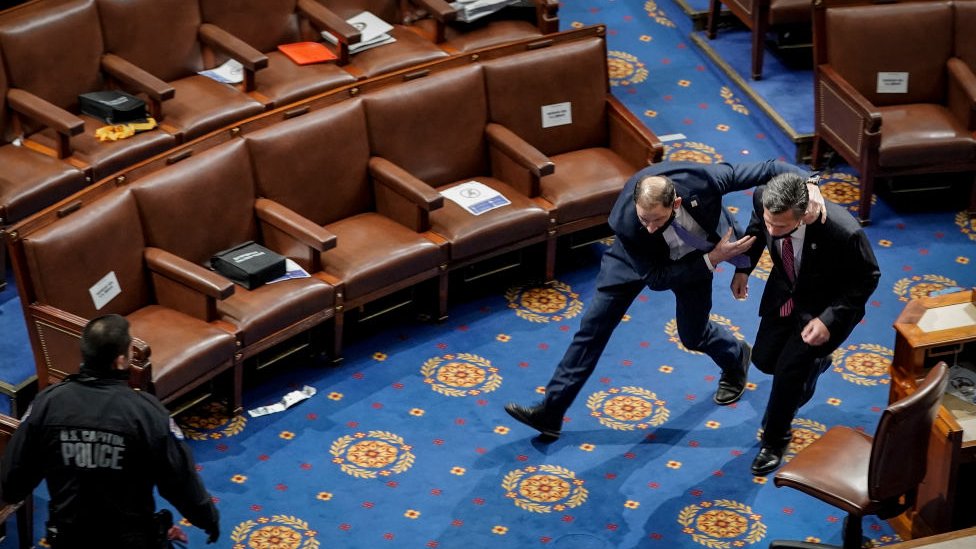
x,y
941,506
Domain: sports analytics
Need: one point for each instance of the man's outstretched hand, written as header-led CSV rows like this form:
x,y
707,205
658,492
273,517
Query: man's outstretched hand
x,y
727,248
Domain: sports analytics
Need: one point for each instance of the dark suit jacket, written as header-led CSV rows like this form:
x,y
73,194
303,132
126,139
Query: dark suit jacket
x,y
838,271
700,187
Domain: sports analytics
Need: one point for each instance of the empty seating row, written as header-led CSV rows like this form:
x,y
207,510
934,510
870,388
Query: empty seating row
x,y
895,90
54,50
349,186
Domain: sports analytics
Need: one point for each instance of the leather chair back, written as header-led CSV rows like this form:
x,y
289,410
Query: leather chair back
x,y
965,47
159,36
900,448
433,127
263,24
69,257
201,205
901,40
316,164
53,50
520,86
6,131
387,10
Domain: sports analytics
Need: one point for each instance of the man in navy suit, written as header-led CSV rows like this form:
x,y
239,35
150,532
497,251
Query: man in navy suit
x,y
663,216
822,276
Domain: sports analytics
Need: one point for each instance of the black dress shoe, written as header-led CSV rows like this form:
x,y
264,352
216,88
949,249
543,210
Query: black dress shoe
x,y
732,384
767,460
535,417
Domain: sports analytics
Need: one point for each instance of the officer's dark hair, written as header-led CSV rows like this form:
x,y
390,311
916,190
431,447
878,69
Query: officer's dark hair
x,y
103,340
785,192
652,190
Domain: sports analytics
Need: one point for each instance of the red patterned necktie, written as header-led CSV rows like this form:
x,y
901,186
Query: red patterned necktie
x,y
787,308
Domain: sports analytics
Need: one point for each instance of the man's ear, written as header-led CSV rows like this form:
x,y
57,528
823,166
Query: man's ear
x,y
677,203
121,362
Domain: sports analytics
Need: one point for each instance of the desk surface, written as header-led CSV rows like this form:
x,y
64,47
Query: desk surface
x,y
960,539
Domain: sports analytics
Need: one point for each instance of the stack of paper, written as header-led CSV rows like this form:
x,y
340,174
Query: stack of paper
x,y
472,10
231,72
373,32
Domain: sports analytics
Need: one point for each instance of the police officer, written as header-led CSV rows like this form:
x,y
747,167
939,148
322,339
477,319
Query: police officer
x,y
102,447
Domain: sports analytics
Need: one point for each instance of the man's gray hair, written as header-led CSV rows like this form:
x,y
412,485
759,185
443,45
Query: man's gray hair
x,y
653,190
786,191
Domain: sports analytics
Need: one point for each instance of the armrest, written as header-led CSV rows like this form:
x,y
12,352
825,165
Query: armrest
x,y
401,196
324,19
52,116
519,150
547,15
189,274
846,117
630,138
235,48
438,9
962,92
140,371
286,220
137,79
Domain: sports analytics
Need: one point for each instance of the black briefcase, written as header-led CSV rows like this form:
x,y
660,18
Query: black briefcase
x,y
113,106
249,264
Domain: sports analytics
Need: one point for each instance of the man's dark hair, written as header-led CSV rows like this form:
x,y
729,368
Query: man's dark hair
x,y
786,191
103,340
647,195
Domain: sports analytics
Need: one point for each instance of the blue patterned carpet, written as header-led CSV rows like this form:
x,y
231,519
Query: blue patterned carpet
x,y
406,443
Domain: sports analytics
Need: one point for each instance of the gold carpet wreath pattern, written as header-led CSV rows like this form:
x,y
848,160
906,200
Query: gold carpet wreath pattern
x,y
211,422
918,286
691,151
732,101
553,302
966,225
657,14
461,374
627,408
371,455
671,328
805,432
277,532
625,69
842,189
764,267
863,364
722,524
544,488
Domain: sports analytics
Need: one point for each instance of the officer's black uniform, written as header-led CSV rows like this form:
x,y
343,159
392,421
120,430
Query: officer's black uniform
x,y
102,446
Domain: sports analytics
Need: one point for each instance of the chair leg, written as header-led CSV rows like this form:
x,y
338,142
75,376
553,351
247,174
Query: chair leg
x,y
236,395
714,8
852,532
3,260
758,45
550,267
867,191
337,322
442,281
972,200
815,153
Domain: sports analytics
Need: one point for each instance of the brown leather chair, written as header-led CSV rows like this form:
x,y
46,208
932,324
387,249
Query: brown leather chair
x,y
266,24
180,342
409,49
205,204
24,509
316,165
926,129
762,16
64,37
165,38
871,476
510,24
434,130
596,153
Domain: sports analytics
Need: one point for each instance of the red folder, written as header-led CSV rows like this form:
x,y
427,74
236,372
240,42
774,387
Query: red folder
x,y
305,53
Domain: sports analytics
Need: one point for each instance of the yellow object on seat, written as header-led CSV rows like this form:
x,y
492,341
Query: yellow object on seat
x,y
122,131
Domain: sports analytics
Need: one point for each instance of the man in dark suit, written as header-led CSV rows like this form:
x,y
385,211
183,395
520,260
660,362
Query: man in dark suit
x,y
671,231
822,276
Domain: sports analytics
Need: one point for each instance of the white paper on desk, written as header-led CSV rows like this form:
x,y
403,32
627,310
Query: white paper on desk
x,y
292,270
286,402
231,72
373,32
475,197
962,383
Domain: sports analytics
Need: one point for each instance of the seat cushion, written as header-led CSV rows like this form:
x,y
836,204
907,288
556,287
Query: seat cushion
x,y
183,348
471,235
374,251
465,37
923,134
270,308
202,105
409,49
586,183
106,158
790,12
32,181
283,81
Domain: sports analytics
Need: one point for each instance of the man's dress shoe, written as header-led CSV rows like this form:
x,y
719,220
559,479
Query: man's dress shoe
x,y
767,460
535,417
732,384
